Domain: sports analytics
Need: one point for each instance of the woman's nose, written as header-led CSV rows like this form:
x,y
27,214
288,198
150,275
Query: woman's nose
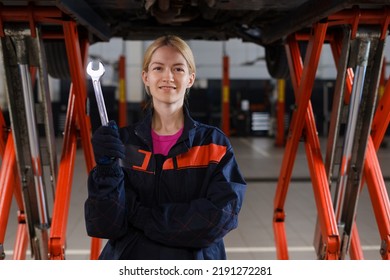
x,y
168,75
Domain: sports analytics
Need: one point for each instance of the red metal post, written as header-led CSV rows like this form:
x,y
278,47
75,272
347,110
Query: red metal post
x,y
379,197
7,178
225,102
355,249
122,114
280,111
21,240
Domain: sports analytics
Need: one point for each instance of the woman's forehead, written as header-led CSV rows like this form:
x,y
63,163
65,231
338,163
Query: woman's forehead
x,y
168,54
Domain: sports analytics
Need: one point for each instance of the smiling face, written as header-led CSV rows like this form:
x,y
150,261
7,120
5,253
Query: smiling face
x,y
168,76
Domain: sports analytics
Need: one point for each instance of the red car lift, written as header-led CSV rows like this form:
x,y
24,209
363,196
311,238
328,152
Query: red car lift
x,y
357,41
23,56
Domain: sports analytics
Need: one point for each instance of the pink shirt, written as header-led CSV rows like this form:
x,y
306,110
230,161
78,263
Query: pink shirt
x,y
163,143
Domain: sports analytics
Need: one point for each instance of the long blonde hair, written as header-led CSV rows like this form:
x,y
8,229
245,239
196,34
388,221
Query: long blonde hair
x,y
172,41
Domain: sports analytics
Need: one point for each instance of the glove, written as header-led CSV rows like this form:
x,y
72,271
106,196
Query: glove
x,y
107,146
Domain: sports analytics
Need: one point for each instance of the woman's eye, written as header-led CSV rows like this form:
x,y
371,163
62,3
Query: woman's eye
x,y
178,69
157,68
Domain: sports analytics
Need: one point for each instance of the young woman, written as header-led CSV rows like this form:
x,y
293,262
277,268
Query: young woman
x,y
167,187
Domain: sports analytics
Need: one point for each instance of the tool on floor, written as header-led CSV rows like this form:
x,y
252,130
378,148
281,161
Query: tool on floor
x,y
95,75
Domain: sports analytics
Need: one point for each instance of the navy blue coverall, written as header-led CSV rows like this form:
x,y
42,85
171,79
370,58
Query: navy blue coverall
x,y
175,207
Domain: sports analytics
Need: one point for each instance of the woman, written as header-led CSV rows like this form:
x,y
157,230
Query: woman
x,y
177,189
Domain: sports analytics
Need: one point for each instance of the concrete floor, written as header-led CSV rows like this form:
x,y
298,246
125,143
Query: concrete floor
x,y
260,162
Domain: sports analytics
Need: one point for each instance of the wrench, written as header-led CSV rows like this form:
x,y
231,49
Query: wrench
x,y
95,76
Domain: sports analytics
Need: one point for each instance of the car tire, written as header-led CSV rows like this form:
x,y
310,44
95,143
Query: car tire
x,y
276,61
57,59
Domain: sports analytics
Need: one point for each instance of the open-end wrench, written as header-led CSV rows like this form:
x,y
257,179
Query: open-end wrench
x,y
95,75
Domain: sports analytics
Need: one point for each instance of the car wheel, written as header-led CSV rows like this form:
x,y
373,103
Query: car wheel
x,y
276,60
57,59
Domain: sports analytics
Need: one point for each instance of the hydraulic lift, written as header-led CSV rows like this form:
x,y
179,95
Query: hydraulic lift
x,y
29,169
359,120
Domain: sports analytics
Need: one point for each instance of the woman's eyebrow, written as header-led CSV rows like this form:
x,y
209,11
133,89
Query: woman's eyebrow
x,y
156,62
175,64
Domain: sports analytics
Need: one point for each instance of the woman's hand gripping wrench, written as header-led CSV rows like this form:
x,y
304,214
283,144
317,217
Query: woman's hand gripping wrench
x,y
95,76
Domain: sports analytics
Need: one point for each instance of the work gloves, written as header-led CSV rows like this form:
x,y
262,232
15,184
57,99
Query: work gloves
x,y
107,146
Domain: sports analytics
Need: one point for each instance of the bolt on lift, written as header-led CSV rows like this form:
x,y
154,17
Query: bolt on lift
x,y
359,119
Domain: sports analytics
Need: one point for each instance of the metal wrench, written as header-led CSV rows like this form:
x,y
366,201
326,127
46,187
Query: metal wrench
x,y
95,75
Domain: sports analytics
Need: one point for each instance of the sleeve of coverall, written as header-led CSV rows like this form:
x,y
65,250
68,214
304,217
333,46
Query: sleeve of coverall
x,y
105,214
203,221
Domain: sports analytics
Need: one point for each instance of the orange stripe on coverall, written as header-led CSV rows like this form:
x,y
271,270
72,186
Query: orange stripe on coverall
x,y
145,163
197,156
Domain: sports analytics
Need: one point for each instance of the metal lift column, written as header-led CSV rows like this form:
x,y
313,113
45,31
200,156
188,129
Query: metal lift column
x,y
22,51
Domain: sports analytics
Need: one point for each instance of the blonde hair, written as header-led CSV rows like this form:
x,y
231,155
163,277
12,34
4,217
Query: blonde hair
x,y
172,41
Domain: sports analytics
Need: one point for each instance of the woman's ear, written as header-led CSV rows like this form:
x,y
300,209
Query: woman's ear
x,y
145,78
191,80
